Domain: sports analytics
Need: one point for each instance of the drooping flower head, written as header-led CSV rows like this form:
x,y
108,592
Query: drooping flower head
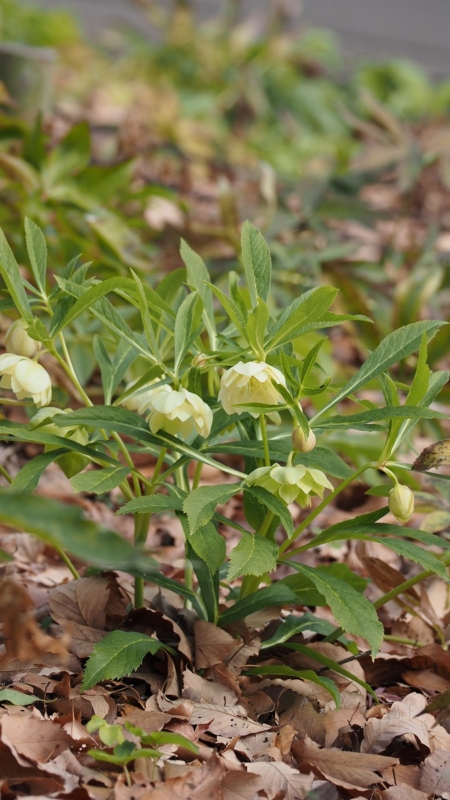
x,y
19,342
139,401
180,413
251,382
26,378
291,484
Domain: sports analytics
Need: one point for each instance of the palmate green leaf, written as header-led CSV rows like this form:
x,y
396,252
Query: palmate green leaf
x,y
146,318
117,655
256,326
275,595
208,582
306,309
307,592
37,251
257,262
437,382
9,270
232,309
305,674
252,556
414,553
99,481
352,611
378,414
201,503
209,545
274,505
395,347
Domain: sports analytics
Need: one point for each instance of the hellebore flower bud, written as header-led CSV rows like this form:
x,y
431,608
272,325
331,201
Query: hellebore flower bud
x,y
401,502
26,378
251,382
17,340
302,443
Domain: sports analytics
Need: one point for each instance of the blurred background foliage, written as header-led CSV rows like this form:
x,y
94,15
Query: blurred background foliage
x,y
190,130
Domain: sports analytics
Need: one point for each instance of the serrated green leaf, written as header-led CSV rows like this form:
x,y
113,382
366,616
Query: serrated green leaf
x,y
378,414
37,251
9,270
99,481
274,505
152,504
256,326
257,262
187,326
330,664
352,611
199,279
293,624
117,655
201,503
17,698
112,368
209,545
27,479
252,556
305,310
232,309
305,674
395,347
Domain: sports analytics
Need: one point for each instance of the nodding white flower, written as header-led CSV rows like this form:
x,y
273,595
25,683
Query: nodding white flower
x,y
26,378
302,443
251,382
17,340
43,420
401,502
180,413
291,483
140,400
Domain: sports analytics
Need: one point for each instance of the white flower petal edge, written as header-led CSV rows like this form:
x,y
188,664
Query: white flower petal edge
x,y
250,382
19,342
180,413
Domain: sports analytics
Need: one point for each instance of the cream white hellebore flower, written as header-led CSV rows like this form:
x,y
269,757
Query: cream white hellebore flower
x,y
140,400
42,420
17,340
26,378
291,483
250,383
179,412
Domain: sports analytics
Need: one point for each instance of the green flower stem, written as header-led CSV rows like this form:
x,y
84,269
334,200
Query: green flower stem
x,y
265,440
316,511
67,561
5,474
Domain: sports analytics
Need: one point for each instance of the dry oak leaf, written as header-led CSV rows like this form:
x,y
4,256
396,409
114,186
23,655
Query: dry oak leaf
x,y
401,720
436,773
224,721
212,644
280,777
32,739
347,769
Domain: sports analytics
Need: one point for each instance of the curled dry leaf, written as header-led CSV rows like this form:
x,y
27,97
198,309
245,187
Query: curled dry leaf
x,y
24,639
212,644
33,739
435,455
435,778
401,720
279,777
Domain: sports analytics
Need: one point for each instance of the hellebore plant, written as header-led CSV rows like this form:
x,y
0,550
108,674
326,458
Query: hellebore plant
x,y
190,374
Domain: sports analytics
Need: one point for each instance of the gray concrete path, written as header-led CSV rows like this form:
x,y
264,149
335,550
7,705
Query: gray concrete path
x,y
417,29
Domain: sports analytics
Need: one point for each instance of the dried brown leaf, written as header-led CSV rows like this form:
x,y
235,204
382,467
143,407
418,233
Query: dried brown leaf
x,y
433,456
212,644
436,773
280,777
240,785
347,769
402,792
33,739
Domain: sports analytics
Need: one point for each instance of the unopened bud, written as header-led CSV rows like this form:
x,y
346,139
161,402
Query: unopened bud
x,y
301,442
401,502
17,340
